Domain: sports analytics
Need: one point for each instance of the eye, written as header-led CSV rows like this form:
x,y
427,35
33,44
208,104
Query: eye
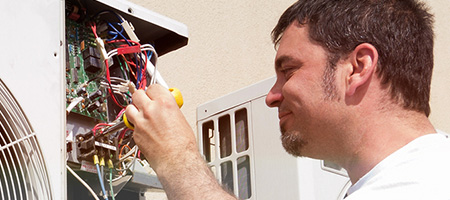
x,y
287,72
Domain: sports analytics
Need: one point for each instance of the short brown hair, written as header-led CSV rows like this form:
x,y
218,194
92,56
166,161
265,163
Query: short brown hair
x,y
400,30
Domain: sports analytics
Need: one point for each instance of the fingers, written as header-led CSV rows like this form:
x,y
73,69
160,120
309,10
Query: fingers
x,y
156,95
131,112
140,99
157,91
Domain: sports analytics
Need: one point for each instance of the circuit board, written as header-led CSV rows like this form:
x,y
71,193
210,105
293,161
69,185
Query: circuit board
x,y
80,38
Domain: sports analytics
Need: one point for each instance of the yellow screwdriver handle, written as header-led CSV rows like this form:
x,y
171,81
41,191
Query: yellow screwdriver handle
x,y
177,95
178,98
127,123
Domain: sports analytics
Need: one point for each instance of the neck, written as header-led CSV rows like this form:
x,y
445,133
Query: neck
x,y
379,135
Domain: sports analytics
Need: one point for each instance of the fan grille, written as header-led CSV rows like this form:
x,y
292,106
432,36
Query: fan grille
x,y
23,174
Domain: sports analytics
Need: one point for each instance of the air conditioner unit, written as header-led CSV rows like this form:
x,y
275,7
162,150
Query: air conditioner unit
x,y
239,138
55,90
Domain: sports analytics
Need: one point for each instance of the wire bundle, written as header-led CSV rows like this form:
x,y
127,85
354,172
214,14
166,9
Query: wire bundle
x,y
132,63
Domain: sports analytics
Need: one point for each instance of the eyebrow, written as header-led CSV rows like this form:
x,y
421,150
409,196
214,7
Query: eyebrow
x,y
283,59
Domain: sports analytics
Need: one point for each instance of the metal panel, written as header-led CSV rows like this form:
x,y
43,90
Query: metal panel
x,y
233,99
231,158
33,59
32,56
164,33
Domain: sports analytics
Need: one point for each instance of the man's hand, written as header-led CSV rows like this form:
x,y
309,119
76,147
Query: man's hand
x,y
161,131
168,142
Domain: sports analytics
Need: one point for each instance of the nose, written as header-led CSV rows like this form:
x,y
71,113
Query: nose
x,y
274,97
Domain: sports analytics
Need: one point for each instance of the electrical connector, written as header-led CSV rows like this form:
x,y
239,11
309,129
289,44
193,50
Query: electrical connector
x,y
131,87
102,161
129,50
129,29
110,163
101,48
147,167
95,159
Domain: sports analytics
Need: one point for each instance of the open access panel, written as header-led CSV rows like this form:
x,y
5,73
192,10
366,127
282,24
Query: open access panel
x,y
111,49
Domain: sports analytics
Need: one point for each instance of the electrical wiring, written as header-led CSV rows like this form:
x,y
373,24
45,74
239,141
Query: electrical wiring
x,y
158,79
118,65
115,34
110,184
114,28
120,114
129,153
94,30
83,182
131,162
119,80
102,184
109,82
74,103
128,66
99,126
140,73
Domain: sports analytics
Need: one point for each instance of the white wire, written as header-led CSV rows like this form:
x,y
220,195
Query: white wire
x,y
126,167
152,69
129,153
72,105
82,182
158,78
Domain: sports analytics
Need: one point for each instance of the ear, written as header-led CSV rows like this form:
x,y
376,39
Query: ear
x,y
364,60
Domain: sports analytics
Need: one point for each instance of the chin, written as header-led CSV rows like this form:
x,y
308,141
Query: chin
x,y
293,142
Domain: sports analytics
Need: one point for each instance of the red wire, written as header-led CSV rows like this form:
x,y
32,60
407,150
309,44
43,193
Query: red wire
x,y
129,67
144,77
109,82
98,127
94,28
122,40
120,113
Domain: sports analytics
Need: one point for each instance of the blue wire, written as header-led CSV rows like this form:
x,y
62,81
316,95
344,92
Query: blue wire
x,y
138,69
110,25
141,75
113,32
101,181
149,54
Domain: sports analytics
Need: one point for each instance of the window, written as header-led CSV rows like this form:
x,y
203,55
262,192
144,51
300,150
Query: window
x,y
231,159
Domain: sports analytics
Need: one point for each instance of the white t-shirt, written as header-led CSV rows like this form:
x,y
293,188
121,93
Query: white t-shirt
x,y
419,170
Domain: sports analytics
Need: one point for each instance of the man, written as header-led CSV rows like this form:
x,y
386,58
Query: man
x,y
353,85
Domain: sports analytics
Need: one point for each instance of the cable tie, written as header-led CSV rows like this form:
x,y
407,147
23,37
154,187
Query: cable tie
x,y
129,50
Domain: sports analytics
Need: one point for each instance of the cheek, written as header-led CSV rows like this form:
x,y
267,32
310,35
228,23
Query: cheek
x,y
304,88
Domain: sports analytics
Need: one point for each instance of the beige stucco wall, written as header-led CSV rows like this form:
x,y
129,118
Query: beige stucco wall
x,y
230,48
440,87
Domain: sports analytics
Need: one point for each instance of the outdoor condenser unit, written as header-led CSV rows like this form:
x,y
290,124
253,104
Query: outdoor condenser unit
x,y
239,137
68,69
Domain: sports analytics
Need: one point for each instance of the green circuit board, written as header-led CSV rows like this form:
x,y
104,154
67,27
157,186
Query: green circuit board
x,y
78,38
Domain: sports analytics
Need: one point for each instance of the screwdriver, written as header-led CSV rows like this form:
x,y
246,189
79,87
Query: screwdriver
x,y
125,123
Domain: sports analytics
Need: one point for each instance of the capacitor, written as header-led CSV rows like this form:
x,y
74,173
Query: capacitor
x,y
95,95
81,91
93,106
